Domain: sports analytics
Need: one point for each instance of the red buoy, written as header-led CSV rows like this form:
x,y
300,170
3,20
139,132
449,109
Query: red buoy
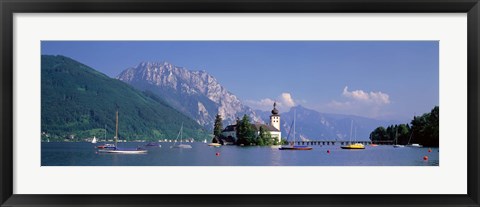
x,y
425,157
217,154
328,151
429,150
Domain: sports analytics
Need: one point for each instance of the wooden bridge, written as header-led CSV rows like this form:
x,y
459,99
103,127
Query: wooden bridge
x,y
341,142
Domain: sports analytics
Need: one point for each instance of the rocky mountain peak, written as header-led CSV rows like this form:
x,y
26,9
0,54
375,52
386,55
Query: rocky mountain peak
x,y
196,93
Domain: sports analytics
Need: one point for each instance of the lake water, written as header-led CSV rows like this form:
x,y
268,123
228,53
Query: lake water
x,y
85,154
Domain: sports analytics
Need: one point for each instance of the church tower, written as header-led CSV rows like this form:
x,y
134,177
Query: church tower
x,y
275,117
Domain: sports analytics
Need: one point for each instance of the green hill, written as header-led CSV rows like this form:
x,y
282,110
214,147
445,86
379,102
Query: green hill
x,y
80,101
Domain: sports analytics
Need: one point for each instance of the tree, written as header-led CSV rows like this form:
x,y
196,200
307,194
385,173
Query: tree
x,y
434,123
403,133
218,126
399,132
422,130
380,133
264,137
426,128
245,132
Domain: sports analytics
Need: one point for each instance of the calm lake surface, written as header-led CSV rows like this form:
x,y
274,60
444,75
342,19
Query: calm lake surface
x,y
85,154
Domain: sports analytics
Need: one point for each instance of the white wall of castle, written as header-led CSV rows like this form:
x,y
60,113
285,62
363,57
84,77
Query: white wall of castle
x,y
275,121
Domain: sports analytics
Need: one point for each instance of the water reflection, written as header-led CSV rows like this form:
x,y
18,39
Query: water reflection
x,y
84,154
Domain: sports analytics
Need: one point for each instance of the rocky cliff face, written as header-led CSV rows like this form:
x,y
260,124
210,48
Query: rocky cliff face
x,y
195,93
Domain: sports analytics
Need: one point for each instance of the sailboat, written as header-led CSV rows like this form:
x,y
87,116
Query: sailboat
x,y
118,150
353,145
292,145
94,140
413,144
180,134
396,140
106,145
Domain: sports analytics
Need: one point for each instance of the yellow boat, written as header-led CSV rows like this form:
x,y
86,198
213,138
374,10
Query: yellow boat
x,y
354,146
214,144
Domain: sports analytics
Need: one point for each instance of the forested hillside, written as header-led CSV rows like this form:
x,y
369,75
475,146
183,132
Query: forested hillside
x,y
78,101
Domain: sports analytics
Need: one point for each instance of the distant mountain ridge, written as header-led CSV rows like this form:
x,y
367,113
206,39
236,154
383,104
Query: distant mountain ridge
x,y
313,125
195,93
78,100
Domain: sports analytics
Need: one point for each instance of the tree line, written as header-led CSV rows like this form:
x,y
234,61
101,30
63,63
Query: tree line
x,y
422,130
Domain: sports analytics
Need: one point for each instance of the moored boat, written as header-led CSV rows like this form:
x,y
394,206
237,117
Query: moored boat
x,y
181,145
353,145
415,145
106,146
396,140
295,147
137,150
118,150
94,140
214,144
292,145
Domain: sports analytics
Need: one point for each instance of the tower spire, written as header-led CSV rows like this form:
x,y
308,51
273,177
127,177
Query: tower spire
x,y
275,120
275,110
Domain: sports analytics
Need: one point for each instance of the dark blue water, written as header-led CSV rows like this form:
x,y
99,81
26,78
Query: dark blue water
x,y
85,154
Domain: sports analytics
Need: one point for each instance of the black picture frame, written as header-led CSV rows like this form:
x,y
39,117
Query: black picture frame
x,y
9,7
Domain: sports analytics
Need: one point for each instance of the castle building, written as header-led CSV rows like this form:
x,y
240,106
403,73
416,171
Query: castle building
x,y
275,117
274,128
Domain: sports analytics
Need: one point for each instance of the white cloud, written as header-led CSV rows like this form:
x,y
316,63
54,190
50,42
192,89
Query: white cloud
x,y
369,97
370,104
284,102
287,100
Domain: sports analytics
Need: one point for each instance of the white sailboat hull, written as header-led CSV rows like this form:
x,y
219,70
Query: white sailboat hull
x,y
184,146
124,151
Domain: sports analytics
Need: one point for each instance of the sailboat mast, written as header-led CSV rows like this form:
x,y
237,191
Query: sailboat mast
x,y
116,127
355,134
181,133
294,116
351,127
409,139
105,136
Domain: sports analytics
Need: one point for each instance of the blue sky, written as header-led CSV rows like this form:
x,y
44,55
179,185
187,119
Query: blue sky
x,y
377,79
